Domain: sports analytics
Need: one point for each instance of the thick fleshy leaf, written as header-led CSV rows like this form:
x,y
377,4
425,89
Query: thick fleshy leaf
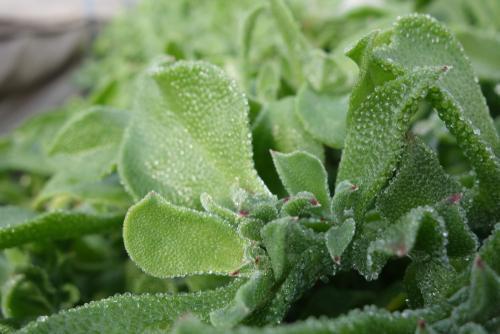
x,y
484,294
369,320
212,207
461,240
170,241
134,314
490,251
418,40
300,204
375,130
313,264
339,237
323,116
420,234
255,292
429,283
189,135
420,180
285,241
344,199
19,226
300,171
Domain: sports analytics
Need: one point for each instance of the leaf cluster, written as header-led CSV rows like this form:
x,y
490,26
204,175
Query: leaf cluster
x,y
222,184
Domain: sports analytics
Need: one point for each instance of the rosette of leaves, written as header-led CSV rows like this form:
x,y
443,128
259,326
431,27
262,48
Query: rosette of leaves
x,y
184,155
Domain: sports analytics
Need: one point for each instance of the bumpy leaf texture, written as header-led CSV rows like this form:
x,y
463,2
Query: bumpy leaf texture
x,y
419,40
189,135
134,314
19,226
300,171
170,241
376,128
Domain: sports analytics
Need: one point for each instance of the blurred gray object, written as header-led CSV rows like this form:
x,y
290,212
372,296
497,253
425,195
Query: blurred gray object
x,y
41,44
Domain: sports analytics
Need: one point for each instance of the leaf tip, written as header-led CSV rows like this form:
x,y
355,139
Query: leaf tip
x,y
479,263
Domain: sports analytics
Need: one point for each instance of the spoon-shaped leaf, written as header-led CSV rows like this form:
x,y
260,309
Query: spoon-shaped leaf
x,y
170,241
189,134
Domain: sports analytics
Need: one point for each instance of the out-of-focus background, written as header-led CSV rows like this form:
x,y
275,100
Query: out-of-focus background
x,y
41,45
43,42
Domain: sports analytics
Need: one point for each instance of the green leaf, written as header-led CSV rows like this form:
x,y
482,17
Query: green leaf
x,y
323,115
212,207
19,226
106,191
461,240
472,328
490,251
420,233
370,319
339,237
346,196
281,125
301,204
85,151
268,82
285,241
417,41
484,296
483,48
429,282
27,295
89,141
253,294
133,314
170,241
313,264
247,32
420,180
189,135
477,303
292,36
375,130
25,148
300,171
